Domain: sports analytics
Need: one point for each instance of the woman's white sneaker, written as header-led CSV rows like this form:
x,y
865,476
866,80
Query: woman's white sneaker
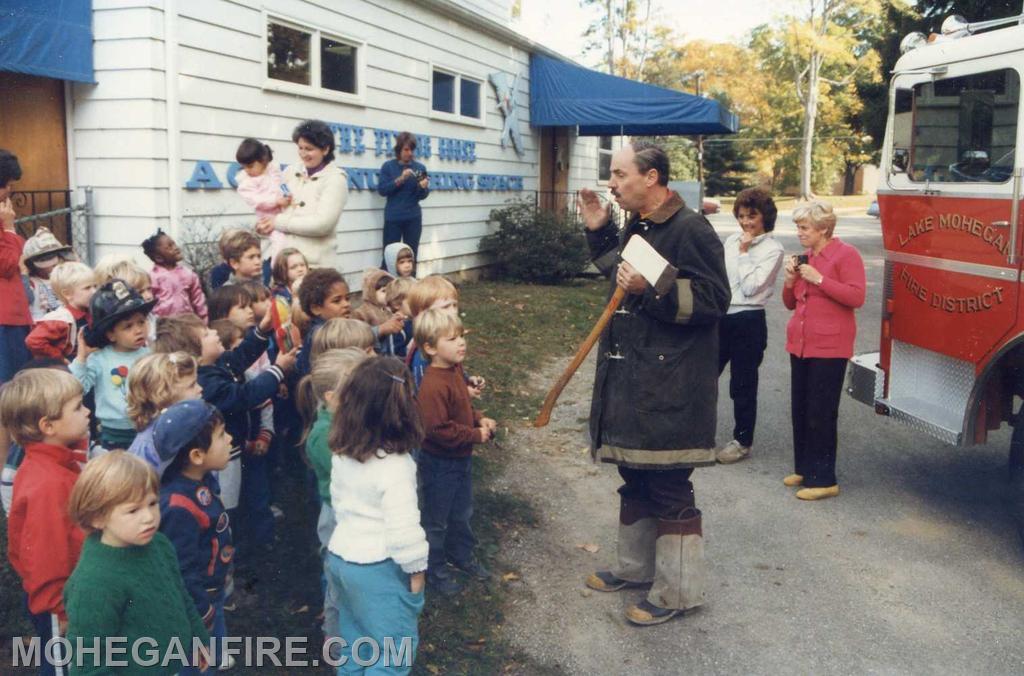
x,y
732,452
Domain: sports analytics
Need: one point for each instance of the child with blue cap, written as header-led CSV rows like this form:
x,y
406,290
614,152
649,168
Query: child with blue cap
x,y
193,517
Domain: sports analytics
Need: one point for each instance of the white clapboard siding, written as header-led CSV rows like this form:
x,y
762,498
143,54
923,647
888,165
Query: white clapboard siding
x,y
119,126
121,123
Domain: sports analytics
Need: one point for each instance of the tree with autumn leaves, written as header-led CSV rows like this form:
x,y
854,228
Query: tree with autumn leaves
x,y
794,83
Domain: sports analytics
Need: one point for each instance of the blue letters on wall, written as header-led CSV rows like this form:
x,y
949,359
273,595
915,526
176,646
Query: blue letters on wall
x,y
350,140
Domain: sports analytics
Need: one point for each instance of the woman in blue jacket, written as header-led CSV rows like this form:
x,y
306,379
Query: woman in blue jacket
x,y
404,182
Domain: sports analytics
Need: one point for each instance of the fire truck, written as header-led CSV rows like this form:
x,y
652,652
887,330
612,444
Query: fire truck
x,y
951,349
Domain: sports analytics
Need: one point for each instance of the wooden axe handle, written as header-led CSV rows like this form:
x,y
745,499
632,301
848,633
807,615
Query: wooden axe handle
x,y
549,402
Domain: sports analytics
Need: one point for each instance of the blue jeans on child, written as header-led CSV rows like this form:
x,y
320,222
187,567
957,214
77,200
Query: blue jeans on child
x,y
446,506
324,529
46,627
13,353
375,603
256,521
217,634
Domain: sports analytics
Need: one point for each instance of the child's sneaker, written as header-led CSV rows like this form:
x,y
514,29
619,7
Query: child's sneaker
x,y
474,569
443,583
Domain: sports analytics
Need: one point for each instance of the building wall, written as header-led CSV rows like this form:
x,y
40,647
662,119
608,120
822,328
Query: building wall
x,y
119,125
496,10
128,124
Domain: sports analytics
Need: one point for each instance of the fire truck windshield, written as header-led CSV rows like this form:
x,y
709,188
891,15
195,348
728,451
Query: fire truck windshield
x,y
957,130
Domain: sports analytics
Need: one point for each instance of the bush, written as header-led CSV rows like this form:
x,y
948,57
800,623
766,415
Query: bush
x,y
534,245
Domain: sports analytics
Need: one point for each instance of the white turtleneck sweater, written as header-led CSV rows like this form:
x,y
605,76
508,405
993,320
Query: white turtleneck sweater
x,y
752,275
377,512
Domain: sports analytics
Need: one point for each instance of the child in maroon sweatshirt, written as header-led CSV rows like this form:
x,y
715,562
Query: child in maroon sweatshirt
x,y
451,426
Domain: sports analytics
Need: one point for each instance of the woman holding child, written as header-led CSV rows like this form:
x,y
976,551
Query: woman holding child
x,y
319,189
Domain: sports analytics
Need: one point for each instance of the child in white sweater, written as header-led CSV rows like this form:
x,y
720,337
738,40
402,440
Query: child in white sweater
x,y
378,553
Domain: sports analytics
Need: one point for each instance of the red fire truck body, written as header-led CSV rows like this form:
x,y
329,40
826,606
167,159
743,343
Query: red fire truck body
x,y
952,332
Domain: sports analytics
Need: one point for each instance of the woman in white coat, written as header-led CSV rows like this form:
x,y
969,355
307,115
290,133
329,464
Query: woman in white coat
x,y
319,189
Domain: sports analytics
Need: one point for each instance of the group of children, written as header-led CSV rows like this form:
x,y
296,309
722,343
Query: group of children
x,y
124,523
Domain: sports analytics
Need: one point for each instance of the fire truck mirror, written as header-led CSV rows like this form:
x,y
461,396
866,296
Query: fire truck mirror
x,y
900,158
902,137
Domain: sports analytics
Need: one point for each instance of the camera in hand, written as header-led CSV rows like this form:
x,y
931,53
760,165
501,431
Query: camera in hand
x,y
802,259
420,175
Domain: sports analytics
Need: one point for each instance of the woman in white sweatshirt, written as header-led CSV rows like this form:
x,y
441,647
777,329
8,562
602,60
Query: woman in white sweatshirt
x,y
378,552
319,190
752,260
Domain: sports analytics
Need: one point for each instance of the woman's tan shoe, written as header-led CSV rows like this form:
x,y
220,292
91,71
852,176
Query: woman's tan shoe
x,y
818,493
793,480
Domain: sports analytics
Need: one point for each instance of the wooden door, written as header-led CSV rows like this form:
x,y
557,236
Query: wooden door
x,y
554,169
32,126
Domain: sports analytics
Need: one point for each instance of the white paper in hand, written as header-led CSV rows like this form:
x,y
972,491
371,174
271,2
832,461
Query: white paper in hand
x,y
645,259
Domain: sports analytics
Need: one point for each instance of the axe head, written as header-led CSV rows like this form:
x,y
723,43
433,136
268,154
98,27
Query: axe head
x,y
658,272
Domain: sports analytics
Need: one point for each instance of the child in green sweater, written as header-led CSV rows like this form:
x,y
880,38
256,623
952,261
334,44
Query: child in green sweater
x,y
126,591
317,396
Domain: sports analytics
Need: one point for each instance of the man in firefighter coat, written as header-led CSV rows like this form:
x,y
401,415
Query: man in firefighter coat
x,y
656,389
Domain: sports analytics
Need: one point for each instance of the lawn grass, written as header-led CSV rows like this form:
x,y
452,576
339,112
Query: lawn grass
x,y
514,328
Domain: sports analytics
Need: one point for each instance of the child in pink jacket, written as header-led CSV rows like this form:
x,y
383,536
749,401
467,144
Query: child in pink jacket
x,y
262,186
176,286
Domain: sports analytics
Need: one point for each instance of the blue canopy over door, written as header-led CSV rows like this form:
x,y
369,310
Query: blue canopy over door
x,y
49,38
566,95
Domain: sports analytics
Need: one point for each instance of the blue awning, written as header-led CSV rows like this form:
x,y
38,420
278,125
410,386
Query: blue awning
x,y
50,38
565,95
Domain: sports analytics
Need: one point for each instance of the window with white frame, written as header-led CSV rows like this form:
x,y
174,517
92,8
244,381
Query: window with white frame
x,y
308,57
604,158
457,95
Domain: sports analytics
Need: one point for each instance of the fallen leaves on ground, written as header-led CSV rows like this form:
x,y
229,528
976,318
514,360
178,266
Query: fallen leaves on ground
x,y
510,577
589,547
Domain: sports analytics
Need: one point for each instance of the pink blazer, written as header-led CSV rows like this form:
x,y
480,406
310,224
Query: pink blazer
x,y
823,324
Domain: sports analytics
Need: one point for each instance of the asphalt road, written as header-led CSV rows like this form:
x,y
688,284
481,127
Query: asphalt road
x,y
914,569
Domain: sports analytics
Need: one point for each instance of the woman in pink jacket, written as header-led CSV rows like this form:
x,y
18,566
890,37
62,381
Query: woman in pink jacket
x,y
824,286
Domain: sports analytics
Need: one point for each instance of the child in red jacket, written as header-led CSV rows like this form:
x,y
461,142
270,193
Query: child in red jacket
x,y
55,336
42,410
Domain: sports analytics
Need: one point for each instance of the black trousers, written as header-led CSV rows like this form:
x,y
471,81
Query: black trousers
x,y
407,230
816,386
668,493
742,339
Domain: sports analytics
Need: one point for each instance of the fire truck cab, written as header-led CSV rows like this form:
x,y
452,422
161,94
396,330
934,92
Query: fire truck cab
x,y
952,330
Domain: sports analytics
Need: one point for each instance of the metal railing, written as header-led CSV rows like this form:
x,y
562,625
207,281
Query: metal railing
x,y
565,202
53,209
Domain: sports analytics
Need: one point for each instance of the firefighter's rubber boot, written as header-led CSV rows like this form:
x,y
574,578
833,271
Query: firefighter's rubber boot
x,y
679,576
635,565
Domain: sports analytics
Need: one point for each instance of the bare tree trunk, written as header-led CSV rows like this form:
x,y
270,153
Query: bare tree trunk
x,y
810,118
850,177
610,34
643,49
